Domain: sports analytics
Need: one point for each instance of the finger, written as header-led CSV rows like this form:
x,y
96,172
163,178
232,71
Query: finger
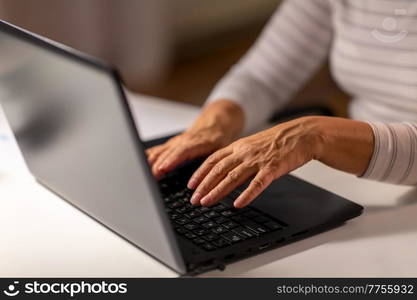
x,y
156,170
234,178
261,181
206,167
151,150
180,155
216,174
154,152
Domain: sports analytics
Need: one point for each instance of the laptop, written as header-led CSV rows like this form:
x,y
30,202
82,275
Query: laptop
x,y
73,125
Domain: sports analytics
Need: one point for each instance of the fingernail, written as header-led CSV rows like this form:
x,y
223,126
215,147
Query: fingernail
x,y
191,184
206,200
237,203
162,166
195,198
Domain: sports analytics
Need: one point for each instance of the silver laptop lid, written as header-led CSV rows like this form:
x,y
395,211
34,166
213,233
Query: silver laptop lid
x,y
72,123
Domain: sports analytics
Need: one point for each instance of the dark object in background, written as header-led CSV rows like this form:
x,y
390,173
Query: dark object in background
x,y
293,113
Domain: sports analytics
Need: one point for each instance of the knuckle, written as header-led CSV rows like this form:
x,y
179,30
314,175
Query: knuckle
x,y
244,147
218,169
183,148
269,174
258,184
167,159
210,163
153,151
149,152
218,154
233,176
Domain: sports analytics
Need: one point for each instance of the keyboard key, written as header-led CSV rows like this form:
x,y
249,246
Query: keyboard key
x,y
245,232
192,214
230,225
175,204
163,185
228,213
219,230
209,225
212,214
232,237
239,218
183,200
182,221
200,219
208,246
244,209
181,230
189,206
255,227
210,237
181,210
237,211
190,235
219,207
220,243
178,195
260,229
175,216
198,241
273,225
261,219
203,209
192,226
221,220
188,192
167,199
200,231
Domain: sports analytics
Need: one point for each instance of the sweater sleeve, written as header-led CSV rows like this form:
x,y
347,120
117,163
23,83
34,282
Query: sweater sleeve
x,y
292,46
394,158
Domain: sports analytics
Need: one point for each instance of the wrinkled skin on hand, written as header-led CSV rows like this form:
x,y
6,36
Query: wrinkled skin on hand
x,y
186,146
264,157
340,143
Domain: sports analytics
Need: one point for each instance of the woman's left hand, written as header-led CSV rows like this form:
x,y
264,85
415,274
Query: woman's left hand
x,y
340,143
264,156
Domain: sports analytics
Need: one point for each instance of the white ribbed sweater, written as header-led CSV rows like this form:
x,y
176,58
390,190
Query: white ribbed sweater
x,y
372,47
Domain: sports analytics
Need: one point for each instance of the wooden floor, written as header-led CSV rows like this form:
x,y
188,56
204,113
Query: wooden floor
x,y
192,78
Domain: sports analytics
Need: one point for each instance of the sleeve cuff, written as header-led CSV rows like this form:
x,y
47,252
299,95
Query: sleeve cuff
x,y
393,158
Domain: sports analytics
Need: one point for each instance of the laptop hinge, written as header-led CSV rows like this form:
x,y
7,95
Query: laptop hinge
x,y
205,267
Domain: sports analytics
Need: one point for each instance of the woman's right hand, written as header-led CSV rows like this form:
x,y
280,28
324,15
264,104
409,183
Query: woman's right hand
x,y
217,126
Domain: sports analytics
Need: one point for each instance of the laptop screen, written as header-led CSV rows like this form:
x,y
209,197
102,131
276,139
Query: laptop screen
x,y
74,130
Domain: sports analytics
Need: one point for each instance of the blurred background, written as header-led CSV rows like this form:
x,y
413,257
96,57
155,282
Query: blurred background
x,y
175,50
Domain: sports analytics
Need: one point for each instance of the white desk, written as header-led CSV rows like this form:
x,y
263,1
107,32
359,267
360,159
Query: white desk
x,y
41,235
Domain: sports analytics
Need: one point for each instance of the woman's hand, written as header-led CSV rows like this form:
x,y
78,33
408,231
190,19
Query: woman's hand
x,y
268,155
218,125
191,144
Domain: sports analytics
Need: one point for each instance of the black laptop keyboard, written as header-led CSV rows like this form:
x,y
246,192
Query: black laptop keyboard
x,y
217,226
